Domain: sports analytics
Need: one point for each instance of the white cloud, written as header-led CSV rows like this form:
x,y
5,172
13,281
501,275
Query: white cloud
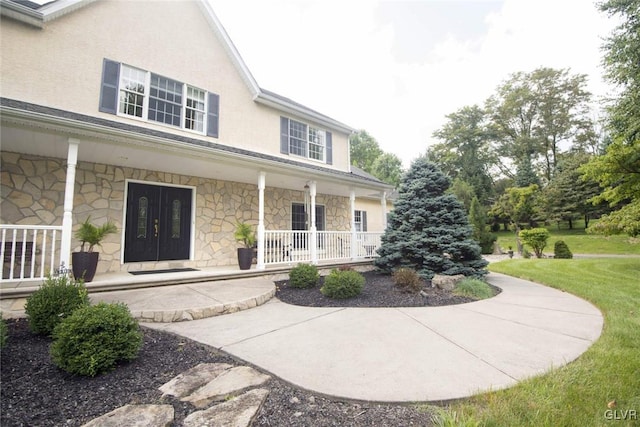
x,y
338,58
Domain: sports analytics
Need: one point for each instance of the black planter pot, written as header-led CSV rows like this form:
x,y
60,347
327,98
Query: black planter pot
x,y
84,265
245,256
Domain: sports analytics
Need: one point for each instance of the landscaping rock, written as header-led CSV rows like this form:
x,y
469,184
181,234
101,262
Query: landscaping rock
x,y
192,379
238,412
447,283
135,416
229,382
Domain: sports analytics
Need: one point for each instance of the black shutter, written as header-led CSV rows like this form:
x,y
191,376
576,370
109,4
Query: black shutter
x,y
284,135
109,88
363,220
329,149
213,114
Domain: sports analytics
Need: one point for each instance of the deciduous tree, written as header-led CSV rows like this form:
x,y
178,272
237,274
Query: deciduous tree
x,y
465,152
618,170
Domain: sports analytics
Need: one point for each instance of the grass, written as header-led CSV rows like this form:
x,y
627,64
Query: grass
x,y
576,394
580,242
473,288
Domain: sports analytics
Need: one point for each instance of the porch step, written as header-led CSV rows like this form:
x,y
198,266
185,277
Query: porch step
x,y
125,281
175,303
192,301
174,297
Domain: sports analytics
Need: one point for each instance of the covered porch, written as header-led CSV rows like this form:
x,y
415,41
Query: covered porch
x,y
58,170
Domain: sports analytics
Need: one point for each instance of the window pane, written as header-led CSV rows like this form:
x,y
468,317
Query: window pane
x,y
316,143
320,219
132,91
298,217
165,100
195,109
143,212
297,138
175,219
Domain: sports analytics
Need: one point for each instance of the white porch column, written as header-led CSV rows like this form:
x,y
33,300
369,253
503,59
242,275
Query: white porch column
x,y
313,244
261,185
67,218
354,249
383,202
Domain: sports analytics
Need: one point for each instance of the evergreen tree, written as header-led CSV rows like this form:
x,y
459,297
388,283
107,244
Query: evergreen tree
x,y
428,230
478,220
525,175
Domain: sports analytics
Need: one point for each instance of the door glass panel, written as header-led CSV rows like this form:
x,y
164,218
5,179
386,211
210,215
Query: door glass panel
x,y
175,219
143,213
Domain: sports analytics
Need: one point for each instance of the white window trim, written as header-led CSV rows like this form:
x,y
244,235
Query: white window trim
x,y
147,96
309,142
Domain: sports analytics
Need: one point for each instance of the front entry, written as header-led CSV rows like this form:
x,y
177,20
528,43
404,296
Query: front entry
x,y
158,223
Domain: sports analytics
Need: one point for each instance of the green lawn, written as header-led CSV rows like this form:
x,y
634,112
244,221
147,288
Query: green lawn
x,y
576,394
580,242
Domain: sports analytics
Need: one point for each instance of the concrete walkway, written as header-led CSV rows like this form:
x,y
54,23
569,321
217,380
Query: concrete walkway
x,y
408,354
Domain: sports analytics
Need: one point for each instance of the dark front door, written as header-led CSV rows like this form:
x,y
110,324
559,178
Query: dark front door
x,y
158,223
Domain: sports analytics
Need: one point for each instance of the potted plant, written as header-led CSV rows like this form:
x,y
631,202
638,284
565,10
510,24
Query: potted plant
x,y
85,262
245,235
510,252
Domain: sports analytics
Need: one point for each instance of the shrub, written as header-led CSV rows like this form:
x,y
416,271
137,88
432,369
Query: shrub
x,y
536,238
407,279
304,276
487,241
561,250
473,288
4,333
56,299
95,338
342,284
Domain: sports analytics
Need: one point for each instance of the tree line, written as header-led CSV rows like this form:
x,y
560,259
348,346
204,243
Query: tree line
x,y
534,151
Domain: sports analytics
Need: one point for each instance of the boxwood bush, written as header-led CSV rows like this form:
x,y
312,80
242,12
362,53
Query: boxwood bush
x,y
95,338
304,276
342,284
561,250
56,299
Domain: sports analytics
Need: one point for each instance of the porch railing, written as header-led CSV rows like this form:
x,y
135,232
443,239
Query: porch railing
x,y
29,252
292,246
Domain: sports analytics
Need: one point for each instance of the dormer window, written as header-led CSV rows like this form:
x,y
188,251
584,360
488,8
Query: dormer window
x,y
133,92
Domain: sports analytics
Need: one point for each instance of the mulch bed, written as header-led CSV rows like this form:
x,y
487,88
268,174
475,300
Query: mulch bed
x,y
34,392
379,291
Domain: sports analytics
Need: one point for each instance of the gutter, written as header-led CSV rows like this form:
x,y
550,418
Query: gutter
x,y
21,13
98,131
282,105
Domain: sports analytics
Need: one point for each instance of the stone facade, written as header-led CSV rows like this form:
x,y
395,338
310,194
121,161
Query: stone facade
x,y
33,194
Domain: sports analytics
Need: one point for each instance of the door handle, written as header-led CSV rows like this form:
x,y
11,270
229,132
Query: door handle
x,y
155,227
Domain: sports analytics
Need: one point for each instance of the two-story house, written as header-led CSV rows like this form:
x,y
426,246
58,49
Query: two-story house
x,y
143,113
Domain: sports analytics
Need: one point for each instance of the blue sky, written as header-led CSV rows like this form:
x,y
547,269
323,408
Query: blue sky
x,y
396,68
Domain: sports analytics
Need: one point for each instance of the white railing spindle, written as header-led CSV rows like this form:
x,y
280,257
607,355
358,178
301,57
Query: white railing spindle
x,y
26,251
